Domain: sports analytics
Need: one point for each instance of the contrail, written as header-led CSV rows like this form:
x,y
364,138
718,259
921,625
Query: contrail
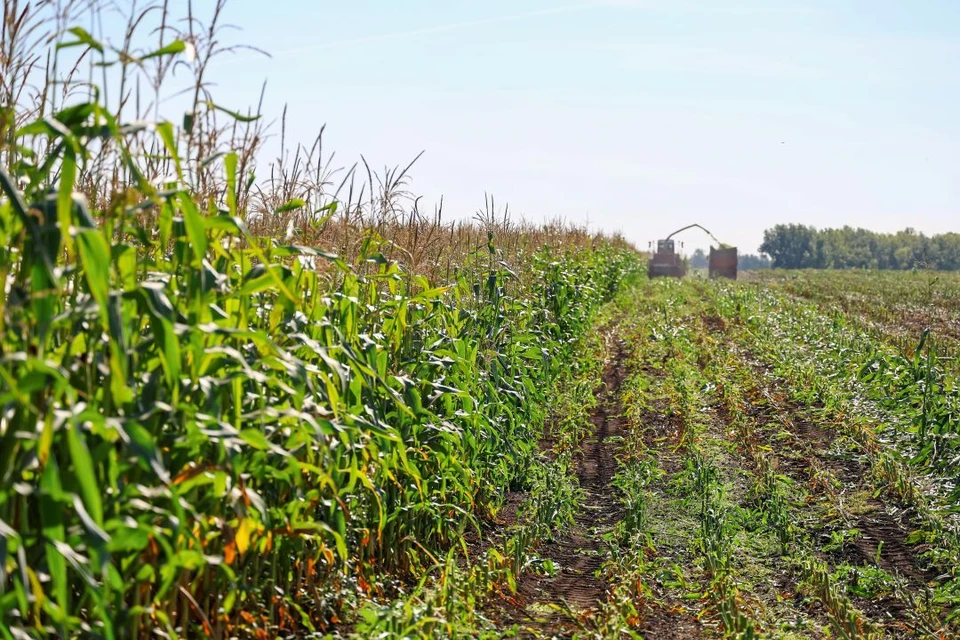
x,y
438,29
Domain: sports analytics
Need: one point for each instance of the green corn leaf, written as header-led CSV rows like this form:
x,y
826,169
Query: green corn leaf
x,y
95,256
121,393
7,537
68,175
256,439
169,349
83,467
290,205
236,115
83,38
52,515
165,130
175,47
76,115
145,448
193,220
30,223
98,536
230,166
229,224
127,539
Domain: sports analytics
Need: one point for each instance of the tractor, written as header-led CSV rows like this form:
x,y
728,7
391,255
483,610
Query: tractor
x,y
666,262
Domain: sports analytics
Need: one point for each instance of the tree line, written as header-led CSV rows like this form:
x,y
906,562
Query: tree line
x,y
797,246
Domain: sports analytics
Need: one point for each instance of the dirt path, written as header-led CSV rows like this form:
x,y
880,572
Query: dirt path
x,y
559,605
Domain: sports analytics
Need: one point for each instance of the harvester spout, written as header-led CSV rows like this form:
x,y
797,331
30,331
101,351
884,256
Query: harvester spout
x,y
720,245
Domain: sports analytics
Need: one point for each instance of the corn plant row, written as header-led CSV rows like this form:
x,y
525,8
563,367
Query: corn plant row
x,y
632,565
802,549
733,378
893,306
625,568
898,477
683,387
904,411
847,621
450,600
204,432
716,531
729,378
453,604
921,384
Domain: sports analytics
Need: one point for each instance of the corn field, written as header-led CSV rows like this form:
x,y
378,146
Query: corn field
x,y
209,426
240,401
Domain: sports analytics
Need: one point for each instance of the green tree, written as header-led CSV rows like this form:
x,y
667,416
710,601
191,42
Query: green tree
x,y
790,246
795,246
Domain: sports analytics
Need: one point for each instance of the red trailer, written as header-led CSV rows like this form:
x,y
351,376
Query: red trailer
x,y
723,263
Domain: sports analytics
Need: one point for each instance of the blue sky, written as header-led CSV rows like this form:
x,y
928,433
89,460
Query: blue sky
x,y
641,116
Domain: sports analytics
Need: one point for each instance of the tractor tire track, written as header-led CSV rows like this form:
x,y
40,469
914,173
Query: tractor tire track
x,y
558,606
